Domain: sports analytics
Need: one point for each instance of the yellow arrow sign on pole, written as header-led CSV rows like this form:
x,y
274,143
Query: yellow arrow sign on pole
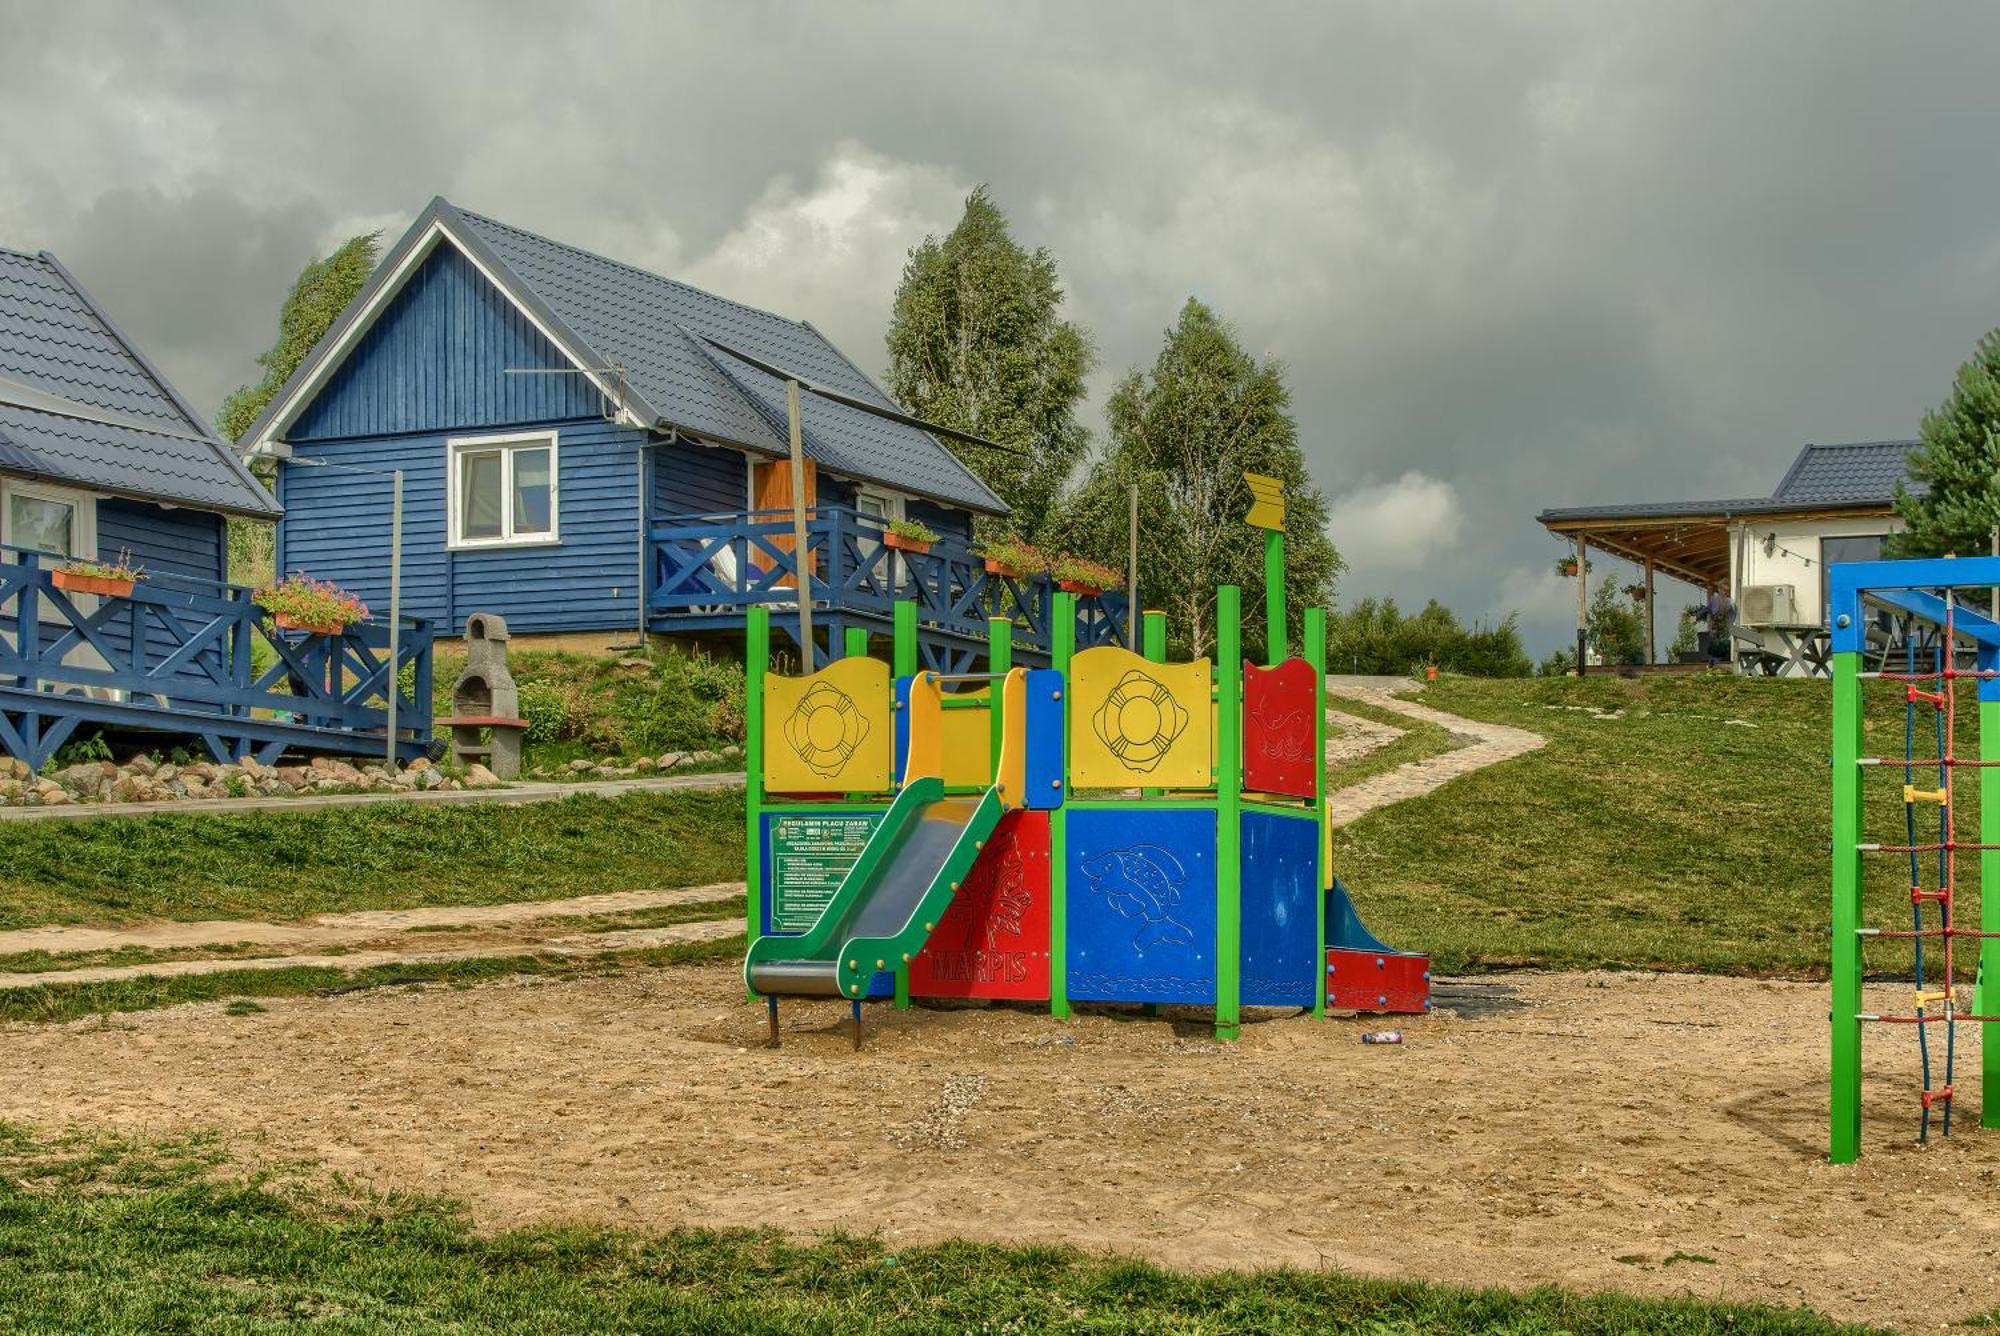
x,y
1267,502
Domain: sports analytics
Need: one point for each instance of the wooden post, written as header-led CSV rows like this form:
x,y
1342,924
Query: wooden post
x,y
1652,656
801,556
1582,600
1132,613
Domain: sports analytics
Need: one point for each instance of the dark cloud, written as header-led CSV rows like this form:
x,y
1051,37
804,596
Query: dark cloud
x,y
1514,256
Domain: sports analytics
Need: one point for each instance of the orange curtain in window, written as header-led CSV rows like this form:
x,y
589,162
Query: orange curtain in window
x,y
771,491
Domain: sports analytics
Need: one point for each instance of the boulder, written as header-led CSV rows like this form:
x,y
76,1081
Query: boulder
x,y
421,764
478,776
705,758
14,768
579,766
128,788
668,760
142,764
294,776
731,752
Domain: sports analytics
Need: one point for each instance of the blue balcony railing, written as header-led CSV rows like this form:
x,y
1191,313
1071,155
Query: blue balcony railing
x,y
706,569
196,656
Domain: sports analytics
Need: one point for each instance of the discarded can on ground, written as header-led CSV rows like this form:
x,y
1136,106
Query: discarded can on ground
x,y
1382,1037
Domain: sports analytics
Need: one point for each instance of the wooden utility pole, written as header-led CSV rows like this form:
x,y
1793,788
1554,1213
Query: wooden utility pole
x,y
1582,600
1132,576
801,558
1651,657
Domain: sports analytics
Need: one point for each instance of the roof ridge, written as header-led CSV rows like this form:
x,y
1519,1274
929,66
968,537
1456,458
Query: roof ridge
x,y
629,267
25,255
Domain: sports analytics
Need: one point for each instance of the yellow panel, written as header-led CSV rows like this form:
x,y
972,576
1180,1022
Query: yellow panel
x,y
1011,775
832,732
1267,502
1138,723
967,742
926,755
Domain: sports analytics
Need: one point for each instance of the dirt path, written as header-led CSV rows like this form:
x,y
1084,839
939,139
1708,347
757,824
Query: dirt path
x,y
367,937
1662,1134
1357,737
1481,744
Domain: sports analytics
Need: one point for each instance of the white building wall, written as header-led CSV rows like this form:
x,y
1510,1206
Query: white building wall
x,y
1788,553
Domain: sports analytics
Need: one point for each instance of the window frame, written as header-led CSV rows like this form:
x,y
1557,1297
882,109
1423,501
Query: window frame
x,y
508,445
83,509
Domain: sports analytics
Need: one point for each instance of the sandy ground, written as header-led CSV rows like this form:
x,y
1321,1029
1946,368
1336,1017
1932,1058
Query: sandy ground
x,y
1582,1129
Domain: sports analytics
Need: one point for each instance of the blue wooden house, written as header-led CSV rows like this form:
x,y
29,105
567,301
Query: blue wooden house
x,y
588,447
102,460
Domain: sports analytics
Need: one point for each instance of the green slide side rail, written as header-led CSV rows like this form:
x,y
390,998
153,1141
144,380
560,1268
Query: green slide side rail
x,y
814,943
861,958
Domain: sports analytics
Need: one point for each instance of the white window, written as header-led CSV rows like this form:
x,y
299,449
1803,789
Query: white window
x,y
55,520
502,490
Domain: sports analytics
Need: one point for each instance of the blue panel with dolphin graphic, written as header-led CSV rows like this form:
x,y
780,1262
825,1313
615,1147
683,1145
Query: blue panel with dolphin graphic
x,y
1141,905
1280,910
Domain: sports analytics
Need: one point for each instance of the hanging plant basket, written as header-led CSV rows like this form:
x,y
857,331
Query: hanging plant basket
x,y
902,544
1079,587
1080,575
287,622
1002,568
75,582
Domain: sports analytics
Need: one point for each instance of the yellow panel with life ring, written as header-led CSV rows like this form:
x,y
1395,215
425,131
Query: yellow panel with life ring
x,y
1134,723
832,732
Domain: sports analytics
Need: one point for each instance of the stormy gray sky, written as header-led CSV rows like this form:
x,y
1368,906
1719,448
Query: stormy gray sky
x,y
1515,256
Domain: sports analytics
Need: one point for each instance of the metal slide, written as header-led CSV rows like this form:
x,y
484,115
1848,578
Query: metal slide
x,y
889,902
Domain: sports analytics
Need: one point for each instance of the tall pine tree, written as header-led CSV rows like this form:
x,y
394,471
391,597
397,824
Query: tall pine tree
x,y
977,342
1958,460
1186,433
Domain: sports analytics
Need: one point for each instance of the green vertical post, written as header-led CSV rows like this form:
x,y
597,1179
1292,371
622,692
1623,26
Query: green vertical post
x,y
1228,811
1315,652
1062,646
756,659
856,646
999,658
1844,1134
903,657
1153,645
903,663
1274,597
1988,993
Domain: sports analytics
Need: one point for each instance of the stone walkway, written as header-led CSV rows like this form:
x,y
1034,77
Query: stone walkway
x,y
527,792
1481,745
1357,737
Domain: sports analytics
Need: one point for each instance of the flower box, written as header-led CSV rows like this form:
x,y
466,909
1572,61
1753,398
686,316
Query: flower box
x,y
75,582
287,622
1002,568
1079,587
893,539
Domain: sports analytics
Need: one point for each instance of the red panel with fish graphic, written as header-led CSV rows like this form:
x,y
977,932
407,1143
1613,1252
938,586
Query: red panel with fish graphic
x,y
1278,728
993,940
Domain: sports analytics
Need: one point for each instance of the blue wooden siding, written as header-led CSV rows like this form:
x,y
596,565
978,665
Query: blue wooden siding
x,y
696,480
162,541
437,359
948,522
337,527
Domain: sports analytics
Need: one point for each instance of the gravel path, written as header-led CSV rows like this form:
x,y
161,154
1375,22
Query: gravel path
x,y
1481,745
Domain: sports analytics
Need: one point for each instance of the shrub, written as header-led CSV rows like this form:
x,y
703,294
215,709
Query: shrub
x,y
547,707
1374,636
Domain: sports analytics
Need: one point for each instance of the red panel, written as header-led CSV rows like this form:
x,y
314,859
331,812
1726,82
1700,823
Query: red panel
x,y
993,941
1278,728
1377,981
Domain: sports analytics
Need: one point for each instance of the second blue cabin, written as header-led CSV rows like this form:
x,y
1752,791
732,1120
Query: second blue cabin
x,y
591,448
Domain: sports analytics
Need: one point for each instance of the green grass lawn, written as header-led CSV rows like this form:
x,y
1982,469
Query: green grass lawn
x,y
102,1235
1688,831
268,865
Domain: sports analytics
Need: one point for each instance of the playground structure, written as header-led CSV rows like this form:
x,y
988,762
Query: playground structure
x,y
1112,829
1935,621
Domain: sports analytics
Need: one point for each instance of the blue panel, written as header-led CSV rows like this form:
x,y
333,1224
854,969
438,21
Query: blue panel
x,y
1045,739
1280,920
1141,905
438,359
337,528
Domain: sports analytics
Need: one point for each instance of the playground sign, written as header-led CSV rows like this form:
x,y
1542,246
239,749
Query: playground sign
x,y
810,856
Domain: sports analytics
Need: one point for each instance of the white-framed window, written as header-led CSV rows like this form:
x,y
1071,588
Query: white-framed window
x,y
502,490
60,521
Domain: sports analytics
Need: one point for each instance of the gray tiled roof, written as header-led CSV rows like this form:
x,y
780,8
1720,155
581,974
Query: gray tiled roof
x,y
1841,475
659,331
664,336
86,408
1823,477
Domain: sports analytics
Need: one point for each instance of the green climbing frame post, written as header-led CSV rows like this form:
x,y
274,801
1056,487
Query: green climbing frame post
x,y
1315,652
1228,811
1844,1138
1274,597
999,658
1062,646
1987,994
903,663
756,660
1153,646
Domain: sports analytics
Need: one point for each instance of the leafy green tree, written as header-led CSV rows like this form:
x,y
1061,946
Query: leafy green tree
x,y
1374,636
1957,460
1185,433
1614,627
977,342
322,291
318,296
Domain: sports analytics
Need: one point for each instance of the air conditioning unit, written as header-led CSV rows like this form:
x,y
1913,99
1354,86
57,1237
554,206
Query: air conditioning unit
x,y
1770,605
